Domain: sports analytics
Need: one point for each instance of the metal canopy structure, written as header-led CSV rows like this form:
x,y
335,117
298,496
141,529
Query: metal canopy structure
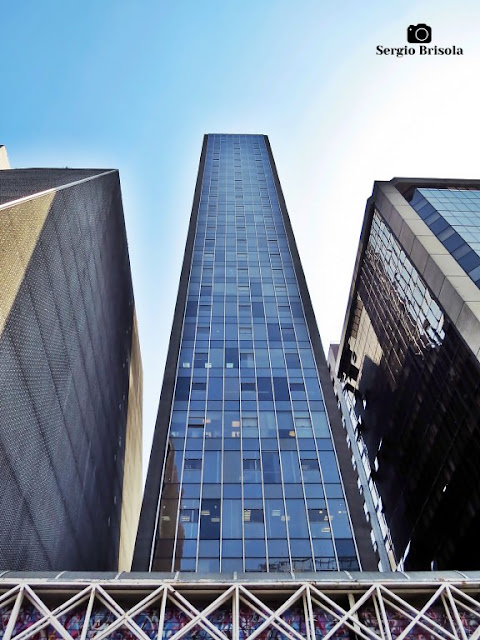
x,y
389,606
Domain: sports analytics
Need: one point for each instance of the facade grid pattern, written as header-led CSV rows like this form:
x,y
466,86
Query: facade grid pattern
x,y
66,317
251,480
453,216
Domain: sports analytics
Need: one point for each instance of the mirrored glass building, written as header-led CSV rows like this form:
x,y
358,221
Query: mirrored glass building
x,y
249,469
408,372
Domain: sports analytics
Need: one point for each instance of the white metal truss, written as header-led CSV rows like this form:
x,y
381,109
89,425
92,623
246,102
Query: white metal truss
x,y
141,610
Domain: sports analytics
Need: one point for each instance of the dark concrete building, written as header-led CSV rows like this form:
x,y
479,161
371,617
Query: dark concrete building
x,y
70,373
408,373
249,469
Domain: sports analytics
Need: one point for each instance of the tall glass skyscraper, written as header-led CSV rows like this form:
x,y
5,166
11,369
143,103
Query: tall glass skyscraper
x,y
244,473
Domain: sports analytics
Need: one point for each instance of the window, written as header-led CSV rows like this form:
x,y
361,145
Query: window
x,y
288,334
271,467
249,427
193,463
231,358
205,291
293,361
182,388
191,310
247,360
192,468
253,515
303,426
297,391
177,425
251,467
309,461
201,361
264,386
204,311
210,520
281,389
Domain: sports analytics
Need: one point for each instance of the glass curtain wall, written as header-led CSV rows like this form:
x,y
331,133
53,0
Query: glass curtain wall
x,y
251,480
453,216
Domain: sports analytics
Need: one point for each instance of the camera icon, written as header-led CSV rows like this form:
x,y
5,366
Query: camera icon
x,y
419,34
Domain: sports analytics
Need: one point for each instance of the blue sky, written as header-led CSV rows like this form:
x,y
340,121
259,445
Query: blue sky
x,y
135,85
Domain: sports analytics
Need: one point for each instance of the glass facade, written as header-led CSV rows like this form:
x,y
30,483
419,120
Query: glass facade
x,y
251,479
413,391
454,217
